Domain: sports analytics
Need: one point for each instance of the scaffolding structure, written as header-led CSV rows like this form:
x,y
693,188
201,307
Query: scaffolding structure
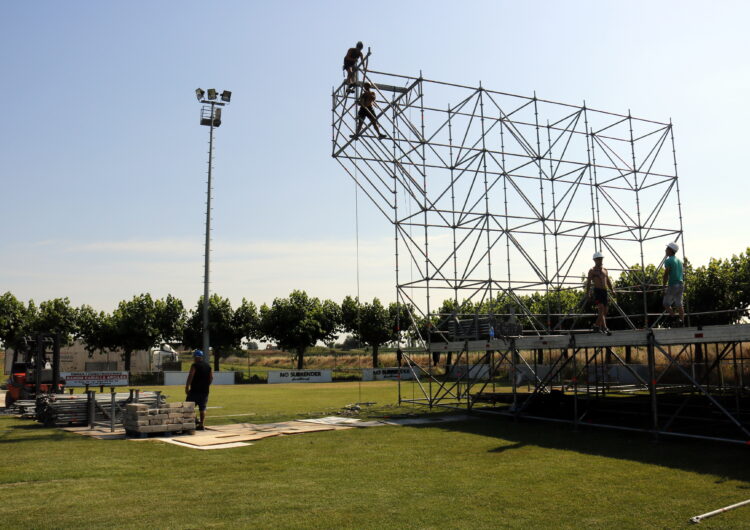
x,y
497,202
495,195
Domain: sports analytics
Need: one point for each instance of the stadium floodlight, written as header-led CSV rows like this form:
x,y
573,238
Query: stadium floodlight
x,y
210,117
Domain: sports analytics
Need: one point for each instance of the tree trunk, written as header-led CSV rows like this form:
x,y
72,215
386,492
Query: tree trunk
x,y
128,356
216,361
628,354
375,355
300,358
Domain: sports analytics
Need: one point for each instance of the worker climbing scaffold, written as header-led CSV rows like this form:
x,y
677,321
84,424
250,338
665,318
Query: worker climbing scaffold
x,y
366,101
350,64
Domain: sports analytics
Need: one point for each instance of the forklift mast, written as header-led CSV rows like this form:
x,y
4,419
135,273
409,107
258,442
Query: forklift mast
x,y
46,343
32,358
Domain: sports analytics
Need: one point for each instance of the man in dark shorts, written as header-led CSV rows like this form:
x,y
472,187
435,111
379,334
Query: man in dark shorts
x,y
367,110
350,64
599,276
197,385
673,283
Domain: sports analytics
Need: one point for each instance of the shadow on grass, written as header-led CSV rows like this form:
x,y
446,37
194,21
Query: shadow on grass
x,y
729,461
29,432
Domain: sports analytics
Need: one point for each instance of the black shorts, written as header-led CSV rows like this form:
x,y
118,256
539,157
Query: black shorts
x,y
600,296
349,64
366,112
199,399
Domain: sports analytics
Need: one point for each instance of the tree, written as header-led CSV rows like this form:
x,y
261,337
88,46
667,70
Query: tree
x,y
96,330
629,291
246,321
13,320
56,316
222,330
372,323
349,343
740,283
710,288
298,322
135,326
555,302
170,319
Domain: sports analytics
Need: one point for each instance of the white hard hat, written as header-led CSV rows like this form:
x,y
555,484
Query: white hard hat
x,y
598,255
674,246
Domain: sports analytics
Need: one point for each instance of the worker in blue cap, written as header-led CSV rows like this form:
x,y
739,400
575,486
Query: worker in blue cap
x,y
196,387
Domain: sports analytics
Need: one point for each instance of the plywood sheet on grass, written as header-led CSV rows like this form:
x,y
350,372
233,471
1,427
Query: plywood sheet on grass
x,y
230,445
297,427
201,440
335,420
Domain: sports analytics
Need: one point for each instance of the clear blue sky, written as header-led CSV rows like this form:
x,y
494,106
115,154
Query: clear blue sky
x,y
104,162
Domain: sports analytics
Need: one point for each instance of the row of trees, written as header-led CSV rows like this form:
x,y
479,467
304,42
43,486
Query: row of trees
x,y
300,321
294,323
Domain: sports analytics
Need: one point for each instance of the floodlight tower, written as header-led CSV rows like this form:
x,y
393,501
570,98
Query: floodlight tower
x,y
210,117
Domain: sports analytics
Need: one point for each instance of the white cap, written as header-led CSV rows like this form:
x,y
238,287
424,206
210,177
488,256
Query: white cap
x,y
598,255
674,246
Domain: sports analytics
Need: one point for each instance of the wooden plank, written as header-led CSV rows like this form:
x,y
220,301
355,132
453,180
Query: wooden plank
x,y
203,440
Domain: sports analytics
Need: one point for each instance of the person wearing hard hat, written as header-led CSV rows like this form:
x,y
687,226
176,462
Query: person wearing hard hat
x,y
196,387
674,285
599,277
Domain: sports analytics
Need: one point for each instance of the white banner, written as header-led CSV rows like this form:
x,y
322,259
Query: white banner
x,y
180,378
300,376
475,371
78,379
387,374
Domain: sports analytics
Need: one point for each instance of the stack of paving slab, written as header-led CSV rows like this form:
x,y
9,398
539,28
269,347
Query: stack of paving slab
x,y
139,419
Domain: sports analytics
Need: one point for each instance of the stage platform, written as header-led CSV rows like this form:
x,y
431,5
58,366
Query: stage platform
x,y
690,382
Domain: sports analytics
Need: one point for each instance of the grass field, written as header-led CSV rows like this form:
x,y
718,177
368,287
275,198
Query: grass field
x,y
473,474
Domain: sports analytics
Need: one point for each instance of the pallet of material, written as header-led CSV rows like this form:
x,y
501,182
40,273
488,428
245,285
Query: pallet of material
x,y
139,420
72,409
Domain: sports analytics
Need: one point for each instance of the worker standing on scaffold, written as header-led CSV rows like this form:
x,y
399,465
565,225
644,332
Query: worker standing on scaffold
x,y
366,103
673,283
350,64
599,276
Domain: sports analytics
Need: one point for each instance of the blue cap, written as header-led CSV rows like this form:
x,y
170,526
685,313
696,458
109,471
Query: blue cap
x,y
197,353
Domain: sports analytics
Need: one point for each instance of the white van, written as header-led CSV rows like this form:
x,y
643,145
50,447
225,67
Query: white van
x,y
163,353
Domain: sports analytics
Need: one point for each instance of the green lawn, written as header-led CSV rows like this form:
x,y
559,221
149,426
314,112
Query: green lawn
x,y
475,474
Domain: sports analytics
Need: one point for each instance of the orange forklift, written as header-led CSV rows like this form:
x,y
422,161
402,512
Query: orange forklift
x,y
35,368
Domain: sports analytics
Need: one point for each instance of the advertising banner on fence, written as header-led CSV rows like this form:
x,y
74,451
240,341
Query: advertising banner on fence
x,y
387,374
78,379
474,371
300,376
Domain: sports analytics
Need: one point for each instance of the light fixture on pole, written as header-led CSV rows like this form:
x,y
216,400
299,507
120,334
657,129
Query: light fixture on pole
x,y
210,117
